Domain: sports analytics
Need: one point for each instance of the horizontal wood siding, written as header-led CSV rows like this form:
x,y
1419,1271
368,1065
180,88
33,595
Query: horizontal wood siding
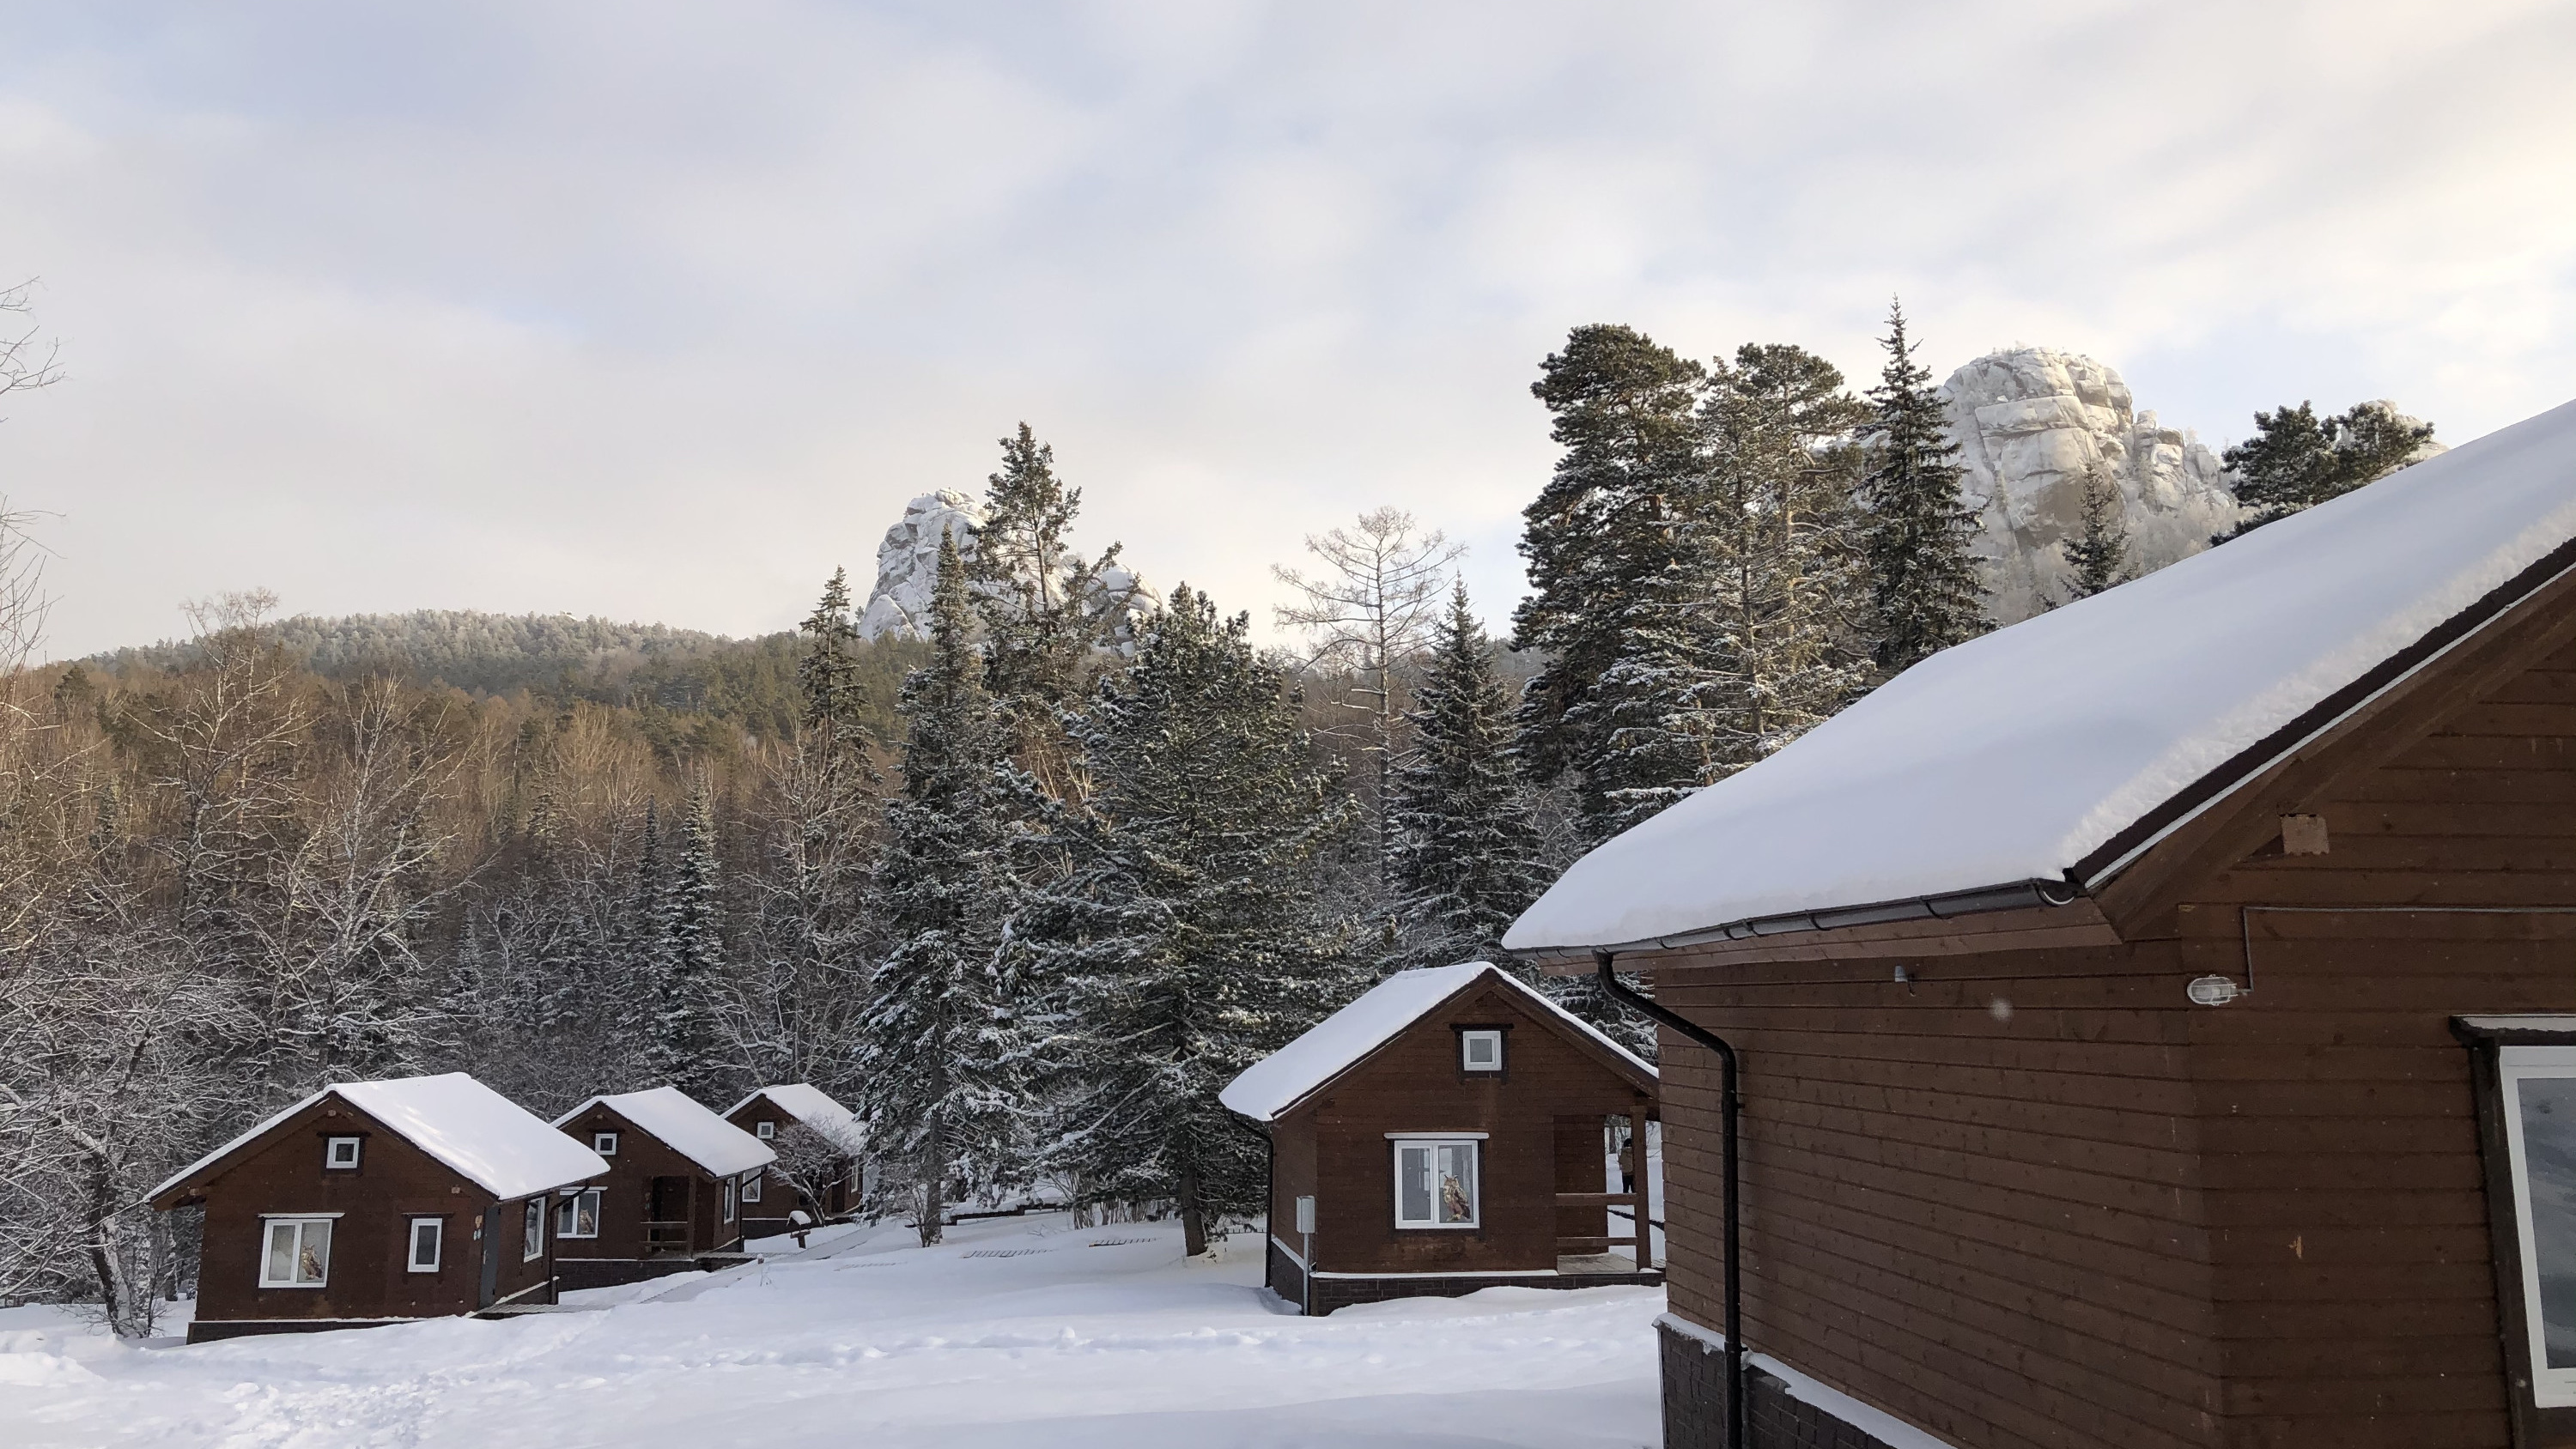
x,y
2032,1197
1985,1219
369,1275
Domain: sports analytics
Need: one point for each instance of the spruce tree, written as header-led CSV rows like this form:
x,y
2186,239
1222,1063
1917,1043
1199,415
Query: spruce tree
x,y
1190,938
941,1059
1466,849
1924,587
2097,553
1601,534
686,1050
2296,460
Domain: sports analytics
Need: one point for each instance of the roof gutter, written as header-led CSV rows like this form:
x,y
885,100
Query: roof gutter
x,y
2017,896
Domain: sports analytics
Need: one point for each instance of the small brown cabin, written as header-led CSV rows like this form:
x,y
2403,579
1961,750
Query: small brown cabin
x,y
672,1200
1452,1130
2157,1018
377,1202
819,1146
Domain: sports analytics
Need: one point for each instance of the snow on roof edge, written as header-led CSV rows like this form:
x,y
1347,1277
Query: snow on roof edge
x,y
2019,755
838,1124
686,1126
464,1133
1268,1088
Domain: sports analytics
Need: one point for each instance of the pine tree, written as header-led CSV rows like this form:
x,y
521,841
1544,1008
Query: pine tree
x,y
834,702
686,1048
1190,938
1601,534
1748,638
1465,850
2097,554
1043,606
2295,460
1923,574
941,1058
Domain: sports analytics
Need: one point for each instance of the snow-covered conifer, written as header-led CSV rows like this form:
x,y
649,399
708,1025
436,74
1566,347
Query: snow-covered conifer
x,y
1466,851
1601,533
1189,939
941,1053
1924,588
1041,603
2098,551
685,1048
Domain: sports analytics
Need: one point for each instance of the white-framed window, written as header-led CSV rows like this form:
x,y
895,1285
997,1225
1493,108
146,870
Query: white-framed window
x,y
1480,1050
2539,1088
604,1143
728,1199
766,1130
532,1238
1436,1183
340,1154
751,1187
577,1214
428,1239
298,1253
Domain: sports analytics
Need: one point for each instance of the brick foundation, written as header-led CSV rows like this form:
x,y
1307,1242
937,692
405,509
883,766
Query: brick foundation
x,y
1695,1404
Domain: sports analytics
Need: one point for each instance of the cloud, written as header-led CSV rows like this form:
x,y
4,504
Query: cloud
x,y
662,311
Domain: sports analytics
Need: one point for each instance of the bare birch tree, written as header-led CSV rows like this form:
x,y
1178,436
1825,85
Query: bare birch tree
x,y
1371,609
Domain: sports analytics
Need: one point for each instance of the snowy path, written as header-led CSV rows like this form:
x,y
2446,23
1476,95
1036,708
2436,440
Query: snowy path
x,y
866,1340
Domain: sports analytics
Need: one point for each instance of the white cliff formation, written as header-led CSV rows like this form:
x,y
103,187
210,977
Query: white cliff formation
x,y
908,563
908,569
2030,423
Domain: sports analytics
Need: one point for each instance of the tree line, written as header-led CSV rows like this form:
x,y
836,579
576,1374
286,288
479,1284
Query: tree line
x,y
1028,910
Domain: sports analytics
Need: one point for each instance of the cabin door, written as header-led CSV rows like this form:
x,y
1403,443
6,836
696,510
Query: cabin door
x,y
666,1225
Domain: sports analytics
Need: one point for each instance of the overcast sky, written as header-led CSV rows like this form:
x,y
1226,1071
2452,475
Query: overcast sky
x,y
660,312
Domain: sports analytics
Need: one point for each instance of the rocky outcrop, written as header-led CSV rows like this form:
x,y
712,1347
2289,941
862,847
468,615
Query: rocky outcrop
x,y
2030,423
908,563
908,568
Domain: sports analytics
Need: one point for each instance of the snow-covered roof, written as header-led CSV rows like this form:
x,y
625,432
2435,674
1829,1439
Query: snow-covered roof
x,y
491,1141
686,1127
2017,756
814,1108
1284,1078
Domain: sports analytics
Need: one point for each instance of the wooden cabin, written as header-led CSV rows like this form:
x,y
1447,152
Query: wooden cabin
x,y
1452,1129
2155,1017
818,1142
378,1202
672,1200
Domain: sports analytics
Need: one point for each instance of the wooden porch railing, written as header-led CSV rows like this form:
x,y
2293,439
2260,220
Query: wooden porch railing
x,y
666,1237
1566,1247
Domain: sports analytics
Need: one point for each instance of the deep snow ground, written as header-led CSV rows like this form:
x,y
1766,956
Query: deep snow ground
x,y
867,1339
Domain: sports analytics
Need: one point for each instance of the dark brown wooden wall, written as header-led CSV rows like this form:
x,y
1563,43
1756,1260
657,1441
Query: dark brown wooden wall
x,y
393,1183
2108,1217
778,1195
625,1204
1414,1085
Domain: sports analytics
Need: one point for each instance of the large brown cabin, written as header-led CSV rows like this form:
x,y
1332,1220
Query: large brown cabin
x,y
817,1141
2027,1175
1450,1127
672,1200
370,1203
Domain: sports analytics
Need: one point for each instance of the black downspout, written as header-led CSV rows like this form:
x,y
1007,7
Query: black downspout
x,y
1733,1311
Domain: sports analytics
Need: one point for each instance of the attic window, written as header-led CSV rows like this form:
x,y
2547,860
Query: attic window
x,y
1480,1050
767,1130
604,1143
340,1154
